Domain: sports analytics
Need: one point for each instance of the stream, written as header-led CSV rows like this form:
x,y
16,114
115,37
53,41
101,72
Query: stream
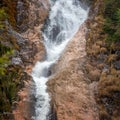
x,y
64,20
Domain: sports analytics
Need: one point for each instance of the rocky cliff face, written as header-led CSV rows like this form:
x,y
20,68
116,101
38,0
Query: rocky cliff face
x,y
20,47
31,15
70,89
85,81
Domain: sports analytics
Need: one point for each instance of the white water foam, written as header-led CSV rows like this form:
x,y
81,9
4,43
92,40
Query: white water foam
x,y
65,18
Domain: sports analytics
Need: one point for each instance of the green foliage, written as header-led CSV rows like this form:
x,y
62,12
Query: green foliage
x,y
1,26
8,88
10,75
5,53
112,20
118,16
3,14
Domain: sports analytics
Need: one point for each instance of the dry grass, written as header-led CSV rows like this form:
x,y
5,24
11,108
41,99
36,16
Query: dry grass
x,y
11,10
109,93
99,43
111,58
109,81
100,66
94,75
104,115
103,50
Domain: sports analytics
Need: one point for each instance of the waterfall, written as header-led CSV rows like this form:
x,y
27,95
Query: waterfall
x,y
64,20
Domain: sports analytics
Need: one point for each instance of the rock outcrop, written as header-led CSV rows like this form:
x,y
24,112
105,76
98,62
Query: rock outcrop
x,y
85,81
69,87
30,19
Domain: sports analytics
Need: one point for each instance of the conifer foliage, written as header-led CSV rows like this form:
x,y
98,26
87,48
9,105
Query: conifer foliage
x,y
112,18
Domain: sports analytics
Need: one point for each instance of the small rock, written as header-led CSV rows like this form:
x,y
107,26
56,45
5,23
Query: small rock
x,y
16,61
117,65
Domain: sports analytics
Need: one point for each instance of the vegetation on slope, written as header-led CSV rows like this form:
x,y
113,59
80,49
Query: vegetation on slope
x,y
112,20
10,75
109,84
103,48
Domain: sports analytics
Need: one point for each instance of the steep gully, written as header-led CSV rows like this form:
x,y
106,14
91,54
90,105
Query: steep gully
x,y
62,67
64,21
30,17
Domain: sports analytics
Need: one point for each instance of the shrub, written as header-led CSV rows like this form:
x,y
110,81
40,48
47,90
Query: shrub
x,y
112,20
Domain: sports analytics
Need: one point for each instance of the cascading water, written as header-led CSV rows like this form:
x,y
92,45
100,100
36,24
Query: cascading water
x,y
64,20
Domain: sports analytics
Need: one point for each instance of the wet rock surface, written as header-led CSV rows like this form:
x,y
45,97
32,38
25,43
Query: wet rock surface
x,y
77,80
87,87
69,86
31,15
